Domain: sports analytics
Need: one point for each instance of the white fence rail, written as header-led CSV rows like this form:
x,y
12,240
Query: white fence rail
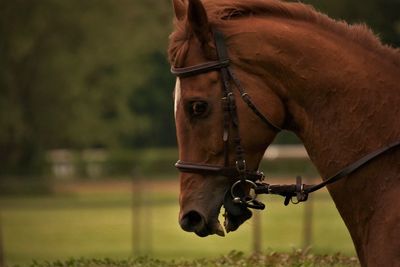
x,y
286,152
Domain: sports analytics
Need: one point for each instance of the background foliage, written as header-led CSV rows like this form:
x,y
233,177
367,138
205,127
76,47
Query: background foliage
x,y
93,74
233,259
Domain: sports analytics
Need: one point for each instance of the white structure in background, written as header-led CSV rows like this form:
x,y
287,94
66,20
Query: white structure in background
x,y
64,163
286,152
94,160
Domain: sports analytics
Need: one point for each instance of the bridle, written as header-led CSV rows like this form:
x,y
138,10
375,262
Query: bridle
x,y
235,198
230,116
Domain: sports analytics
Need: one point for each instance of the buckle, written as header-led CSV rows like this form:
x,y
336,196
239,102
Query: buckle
x,y
299,193
241,166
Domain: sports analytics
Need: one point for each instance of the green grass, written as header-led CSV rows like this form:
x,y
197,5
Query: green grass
x,y
100,226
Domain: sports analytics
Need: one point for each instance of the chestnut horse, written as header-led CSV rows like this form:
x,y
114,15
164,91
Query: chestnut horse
x,y
332,84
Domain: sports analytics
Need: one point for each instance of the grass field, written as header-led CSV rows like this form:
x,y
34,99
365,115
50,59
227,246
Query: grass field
x,y
94,221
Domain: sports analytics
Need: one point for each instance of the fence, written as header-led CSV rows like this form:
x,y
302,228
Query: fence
x,y
65,164
142,224
2,261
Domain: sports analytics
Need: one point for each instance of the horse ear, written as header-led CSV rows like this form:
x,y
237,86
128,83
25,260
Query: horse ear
x,y
198,21
179,9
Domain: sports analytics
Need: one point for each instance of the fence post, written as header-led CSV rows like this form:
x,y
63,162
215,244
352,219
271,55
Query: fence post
x,y
136,213
147,220
307,224
257,233
2,258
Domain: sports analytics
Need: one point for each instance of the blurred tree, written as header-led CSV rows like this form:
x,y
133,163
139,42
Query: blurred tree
x,y
155,104
68,69
381,15
32,41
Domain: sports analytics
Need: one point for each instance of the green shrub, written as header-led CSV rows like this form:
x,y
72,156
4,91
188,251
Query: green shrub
x,y
233,259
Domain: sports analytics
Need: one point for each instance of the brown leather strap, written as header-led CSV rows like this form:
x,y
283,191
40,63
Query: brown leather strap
x,y
230,118
200,68
301,191
353,167
216,170
247,99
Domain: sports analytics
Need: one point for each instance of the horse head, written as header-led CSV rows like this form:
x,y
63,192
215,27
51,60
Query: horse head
x,y
215,122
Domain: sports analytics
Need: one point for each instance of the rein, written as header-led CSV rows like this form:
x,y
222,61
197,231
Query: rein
x,y
236,199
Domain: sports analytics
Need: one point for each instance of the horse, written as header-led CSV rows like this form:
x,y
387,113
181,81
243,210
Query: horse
x,y
334,85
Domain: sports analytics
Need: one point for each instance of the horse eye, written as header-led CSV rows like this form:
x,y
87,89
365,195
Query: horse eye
x,y
198,108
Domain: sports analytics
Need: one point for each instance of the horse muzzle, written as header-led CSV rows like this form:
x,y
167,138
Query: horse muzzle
x,y
194,221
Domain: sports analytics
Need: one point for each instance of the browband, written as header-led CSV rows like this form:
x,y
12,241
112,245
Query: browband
x,y
200,68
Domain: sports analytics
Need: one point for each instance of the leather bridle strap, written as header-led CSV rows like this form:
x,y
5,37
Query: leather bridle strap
x,y
247,99
215,170
231,112
200,68
230,116
223,62
353,167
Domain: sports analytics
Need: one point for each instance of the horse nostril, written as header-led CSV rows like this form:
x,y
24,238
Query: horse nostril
x,y
192,221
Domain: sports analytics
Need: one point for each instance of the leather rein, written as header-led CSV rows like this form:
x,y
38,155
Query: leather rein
x,y
236,198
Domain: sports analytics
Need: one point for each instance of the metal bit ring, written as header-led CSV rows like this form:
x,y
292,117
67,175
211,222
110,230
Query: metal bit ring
x,y
239,199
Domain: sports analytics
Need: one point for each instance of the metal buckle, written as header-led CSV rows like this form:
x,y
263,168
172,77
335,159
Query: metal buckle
x,y
241,166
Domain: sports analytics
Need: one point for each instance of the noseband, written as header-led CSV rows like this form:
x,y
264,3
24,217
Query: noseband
x,y
244,176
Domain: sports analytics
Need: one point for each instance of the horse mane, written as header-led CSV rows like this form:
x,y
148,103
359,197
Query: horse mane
x,y
221,11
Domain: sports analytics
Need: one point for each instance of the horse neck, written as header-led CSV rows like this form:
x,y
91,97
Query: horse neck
x,y
342,107
344,104
340,95
342,100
